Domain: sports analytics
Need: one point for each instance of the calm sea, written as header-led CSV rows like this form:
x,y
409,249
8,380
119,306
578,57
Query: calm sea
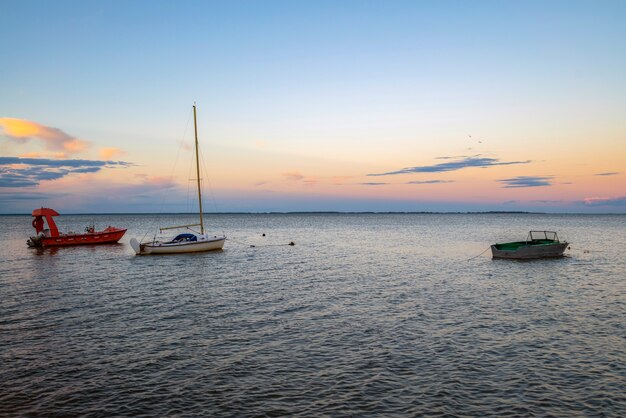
x,y
368,314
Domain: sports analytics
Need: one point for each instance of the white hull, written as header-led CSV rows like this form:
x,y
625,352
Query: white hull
x,y
210,244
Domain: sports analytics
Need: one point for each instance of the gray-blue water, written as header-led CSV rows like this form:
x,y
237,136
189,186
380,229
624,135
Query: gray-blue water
x,y
366,315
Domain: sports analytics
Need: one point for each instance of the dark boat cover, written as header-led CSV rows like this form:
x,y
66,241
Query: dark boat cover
x,y
185,237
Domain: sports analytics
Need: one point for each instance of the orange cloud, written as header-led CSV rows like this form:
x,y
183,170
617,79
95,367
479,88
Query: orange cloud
x,y
53,139
108,153
58,155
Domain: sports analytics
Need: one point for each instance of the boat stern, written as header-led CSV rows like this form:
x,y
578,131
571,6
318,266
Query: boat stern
x,y
36,241
135,245
496,253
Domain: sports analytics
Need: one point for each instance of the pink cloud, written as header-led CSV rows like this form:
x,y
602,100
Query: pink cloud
x,y
165,182
605,201
592,200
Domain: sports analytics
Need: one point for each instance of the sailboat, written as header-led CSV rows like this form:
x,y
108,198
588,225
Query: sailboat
x,y
190,241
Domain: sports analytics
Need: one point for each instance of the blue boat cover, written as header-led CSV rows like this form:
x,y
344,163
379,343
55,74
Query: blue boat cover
x,y
185,237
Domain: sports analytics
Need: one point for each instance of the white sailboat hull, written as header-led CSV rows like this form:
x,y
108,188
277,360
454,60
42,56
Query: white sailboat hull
x,y
209,244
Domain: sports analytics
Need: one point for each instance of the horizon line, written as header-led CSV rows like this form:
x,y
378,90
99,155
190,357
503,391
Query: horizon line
x,y
323,212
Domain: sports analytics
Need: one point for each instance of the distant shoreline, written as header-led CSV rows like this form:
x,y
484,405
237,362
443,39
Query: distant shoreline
x,y
330,213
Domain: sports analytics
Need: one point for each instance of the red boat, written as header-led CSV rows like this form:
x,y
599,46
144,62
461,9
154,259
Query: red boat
x,y
52,238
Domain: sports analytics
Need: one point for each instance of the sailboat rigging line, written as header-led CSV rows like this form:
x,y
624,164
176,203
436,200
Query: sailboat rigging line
x,y
208,182
157,219
188,200
144,237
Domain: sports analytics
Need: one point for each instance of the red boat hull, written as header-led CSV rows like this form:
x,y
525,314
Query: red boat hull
x,y
108,236
51,237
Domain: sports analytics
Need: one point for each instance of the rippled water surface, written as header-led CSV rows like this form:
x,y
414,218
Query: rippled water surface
x,y
366,315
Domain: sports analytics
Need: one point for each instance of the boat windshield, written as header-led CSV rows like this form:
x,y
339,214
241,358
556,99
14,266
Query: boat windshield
x,y
542,235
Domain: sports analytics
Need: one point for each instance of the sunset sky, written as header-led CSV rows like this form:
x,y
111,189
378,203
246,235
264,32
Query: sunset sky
x,y
313,105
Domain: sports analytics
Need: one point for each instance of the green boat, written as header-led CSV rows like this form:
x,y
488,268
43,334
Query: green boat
x,y
538,244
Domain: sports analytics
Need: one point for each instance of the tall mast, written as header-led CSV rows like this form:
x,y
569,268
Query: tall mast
x,y
195,127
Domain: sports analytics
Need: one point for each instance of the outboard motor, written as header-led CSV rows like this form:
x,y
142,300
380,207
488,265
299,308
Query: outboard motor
x,y
37,241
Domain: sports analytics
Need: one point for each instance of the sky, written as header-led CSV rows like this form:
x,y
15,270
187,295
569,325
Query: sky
x,y
313,105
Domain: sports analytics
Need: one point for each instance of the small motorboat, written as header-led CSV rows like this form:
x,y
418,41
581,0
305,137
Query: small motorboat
x,y
51,237
538,244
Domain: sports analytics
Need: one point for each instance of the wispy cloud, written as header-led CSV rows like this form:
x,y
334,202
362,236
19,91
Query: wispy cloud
x,y
339,180
605,201
145,194
429,181
26,172
62,163
373,184
17,196
55,155
467,162
53,139
610,173
293,176
527,181
301,179
452,157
